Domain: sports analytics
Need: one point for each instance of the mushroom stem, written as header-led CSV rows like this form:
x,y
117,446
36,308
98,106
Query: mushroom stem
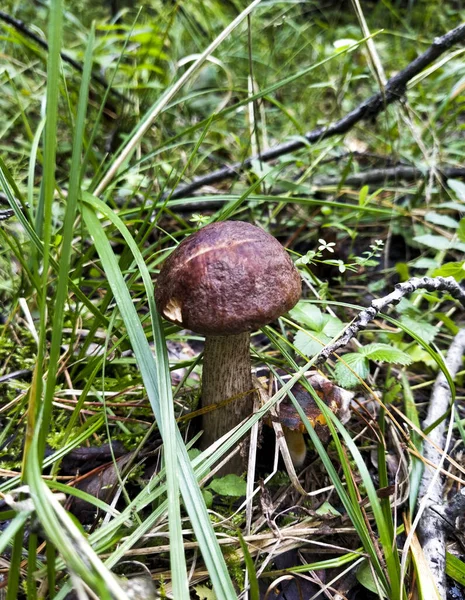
x,y
296,445
226,373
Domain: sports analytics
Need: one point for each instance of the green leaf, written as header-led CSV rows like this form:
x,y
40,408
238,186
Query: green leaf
x,y
321,328
424,263
332,326
458,188
310,342
402,270
229,485
441,220
362,197
455,568
423,329
155,379
365,577
448,322
451,269
385,353
452,205
208,498
357,365
327,509
254,591
418,354
308,315
438,242
461,230
12,529
204,592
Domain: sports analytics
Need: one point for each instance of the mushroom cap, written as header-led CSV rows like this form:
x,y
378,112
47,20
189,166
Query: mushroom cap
x,y
227,278
326,391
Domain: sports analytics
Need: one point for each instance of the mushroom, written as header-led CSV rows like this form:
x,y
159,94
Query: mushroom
x,y
225,281
335,398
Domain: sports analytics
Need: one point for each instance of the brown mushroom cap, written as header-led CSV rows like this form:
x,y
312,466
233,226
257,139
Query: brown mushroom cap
x,y
326,391
227,278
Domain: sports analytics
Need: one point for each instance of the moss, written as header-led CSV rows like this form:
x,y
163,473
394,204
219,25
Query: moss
x,y
235,566
17,348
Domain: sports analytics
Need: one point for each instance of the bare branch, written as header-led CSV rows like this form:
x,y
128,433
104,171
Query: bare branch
x,y
399,173
431,526
431,284
369,109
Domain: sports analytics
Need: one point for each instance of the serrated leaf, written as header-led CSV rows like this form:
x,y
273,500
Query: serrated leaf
x,y
229,485
204,592
406,306
310,342
320,328
452,269
357,364
385,353
327,509
332,326
424,330
418,354
458,187
308,315
441,220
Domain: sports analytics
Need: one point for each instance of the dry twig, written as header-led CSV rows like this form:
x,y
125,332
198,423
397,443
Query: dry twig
x,y
431,526
398,173
369,109
431,284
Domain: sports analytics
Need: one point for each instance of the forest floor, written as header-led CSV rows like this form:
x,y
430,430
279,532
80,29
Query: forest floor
x,y
339,130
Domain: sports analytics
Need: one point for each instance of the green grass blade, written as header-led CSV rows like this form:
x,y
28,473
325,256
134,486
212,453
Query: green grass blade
x,y
7,183
13,528
63,533
67,237
183,472
164,100
254,589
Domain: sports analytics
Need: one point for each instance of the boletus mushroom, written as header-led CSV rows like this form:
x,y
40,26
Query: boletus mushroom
x,y
224,281
334,397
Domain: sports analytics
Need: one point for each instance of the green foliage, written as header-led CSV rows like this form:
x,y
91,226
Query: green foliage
x,y
229,485
203,592
319,328
352,369
90,334
354,366
365,577
455,568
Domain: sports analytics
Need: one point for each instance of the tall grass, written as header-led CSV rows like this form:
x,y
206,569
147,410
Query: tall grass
x,y
92,225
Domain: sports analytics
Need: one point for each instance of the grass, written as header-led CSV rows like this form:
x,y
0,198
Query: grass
x,y
89,176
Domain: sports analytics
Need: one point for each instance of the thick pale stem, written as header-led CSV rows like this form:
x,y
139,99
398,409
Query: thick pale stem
x,y
226,374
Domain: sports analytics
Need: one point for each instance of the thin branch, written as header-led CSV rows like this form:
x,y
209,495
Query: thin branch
x,y
24,29
431,284
431,526
401,172
368,110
